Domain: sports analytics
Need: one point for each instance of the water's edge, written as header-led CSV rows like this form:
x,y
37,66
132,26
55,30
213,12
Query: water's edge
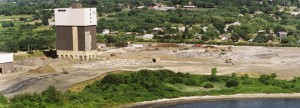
x,y
194,99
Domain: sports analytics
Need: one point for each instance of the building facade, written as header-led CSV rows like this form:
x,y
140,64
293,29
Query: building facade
x,y
76,32
6,63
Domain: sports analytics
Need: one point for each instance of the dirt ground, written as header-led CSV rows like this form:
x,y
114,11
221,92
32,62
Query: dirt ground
x,y
285,62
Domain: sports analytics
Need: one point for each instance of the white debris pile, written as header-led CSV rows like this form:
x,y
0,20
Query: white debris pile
x,y
234,55
195,54
116,62
124,62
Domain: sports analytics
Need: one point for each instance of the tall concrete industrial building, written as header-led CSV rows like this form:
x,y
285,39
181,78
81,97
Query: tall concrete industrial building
x,y
76,32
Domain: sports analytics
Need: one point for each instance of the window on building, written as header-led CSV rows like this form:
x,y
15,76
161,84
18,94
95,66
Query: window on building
x,y
1,71
61,10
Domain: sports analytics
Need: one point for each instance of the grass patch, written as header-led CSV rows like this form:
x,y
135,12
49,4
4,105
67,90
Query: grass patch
x,y
13,17
42,28
26,56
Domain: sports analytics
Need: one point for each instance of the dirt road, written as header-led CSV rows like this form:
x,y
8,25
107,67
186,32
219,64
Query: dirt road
x,y
23,85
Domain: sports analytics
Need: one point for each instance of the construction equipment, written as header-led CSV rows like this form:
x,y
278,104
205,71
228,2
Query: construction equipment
x,y
229,60
152,49
181,49
65,71
112,55
222,53
155,60
208,49
229,48
173,49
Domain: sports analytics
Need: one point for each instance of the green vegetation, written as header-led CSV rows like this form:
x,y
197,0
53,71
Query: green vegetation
x,y
145,85
250,22
26,39
3,100
208,85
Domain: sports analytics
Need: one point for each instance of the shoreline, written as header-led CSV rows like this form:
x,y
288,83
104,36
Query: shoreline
x,y
192,99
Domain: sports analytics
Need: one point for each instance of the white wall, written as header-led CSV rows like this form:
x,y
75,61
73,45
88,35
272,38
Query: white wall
x,y
5,58
75,16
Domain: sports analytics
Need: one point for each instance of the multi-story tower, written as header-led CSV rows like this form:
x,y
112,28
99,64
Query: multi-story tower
x,y
76,32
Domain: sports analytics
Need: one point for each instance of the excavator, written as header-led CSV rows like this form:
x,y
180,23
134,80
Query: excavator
x,y
173,49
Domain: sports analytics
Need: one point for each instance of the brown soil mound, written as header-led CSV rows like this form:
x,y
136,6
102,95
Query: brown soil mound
x,y
167,45
42,69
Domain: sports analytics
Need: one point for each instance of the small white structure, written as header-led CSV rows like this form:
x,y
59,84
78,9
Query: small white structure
x,y
137,45
190,7
163,8
148,36
224,37
6,63
204,29
181,29
232,24
157,29
105,31
141,7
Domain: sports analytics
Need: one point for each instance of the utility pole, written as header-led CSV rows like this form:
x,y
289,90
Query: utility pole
x,y
27,48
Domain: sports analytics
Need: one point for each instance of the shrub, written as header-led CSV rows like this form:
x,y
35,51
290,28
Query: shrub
x,y
232,83
51,95
208,85
213,77
3,99
267,79
28,101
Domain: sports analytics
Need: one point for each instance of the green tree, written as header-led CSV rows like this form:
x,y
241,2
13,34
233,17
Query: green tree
x,y
51,95
235,37
213,77
232,83
45,21
260,38
234,76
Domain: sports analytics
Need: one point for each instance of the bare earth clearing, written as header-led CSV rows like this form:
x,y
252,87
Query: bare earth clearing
x,y
285,62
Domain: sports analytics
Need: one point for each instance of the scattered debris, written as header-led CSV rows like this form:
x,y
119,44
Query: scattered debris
x,y
112,55
156,60
167,45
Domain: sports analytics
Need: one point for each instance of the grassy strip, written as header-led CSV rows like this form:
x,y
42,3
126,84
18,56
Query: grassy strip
x,y
122,88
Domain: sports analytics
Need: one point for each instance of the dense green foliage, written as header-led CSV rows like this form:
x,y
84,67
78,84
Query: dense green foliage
x,y
13,40
208,85
232,83
144,85
3,100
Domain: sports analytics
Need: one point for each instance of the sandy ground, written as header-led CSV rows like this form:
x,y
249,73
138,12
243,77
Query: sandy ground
x,y
285,62
185,100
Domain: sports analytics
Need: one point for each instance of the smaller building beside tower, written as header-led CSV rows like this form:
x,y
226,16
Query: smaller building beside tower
x,y
76,32
6,63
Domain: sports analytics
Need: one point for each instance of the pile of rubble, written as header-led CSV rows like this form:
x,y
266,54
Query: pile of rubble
x,y
116,62
42,69
124,62
194,54
216,55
